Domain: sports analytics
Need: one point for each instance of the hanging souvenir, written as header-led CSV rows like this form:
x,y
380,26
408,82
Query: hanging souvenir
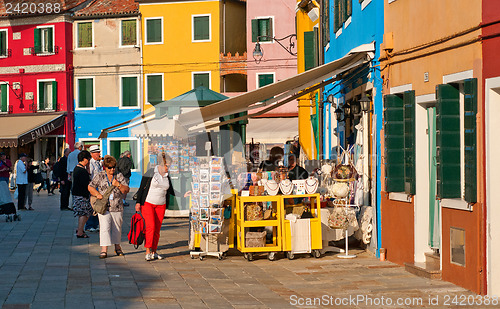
x,y
286,187
271,187
311,185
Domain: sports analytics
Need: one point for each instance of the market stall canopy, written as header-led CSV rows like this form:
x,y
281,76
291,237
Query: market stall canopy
x,y
159,128
276,94
20,129
273,130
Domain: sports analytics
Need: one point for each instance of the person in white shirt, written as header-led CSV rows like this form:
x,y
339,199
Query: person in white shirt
x,y
152,198
21,181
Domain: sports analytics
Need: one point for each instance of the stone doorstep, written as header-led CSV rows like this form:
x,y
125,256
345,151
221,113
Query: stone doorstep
x,y
432,258
426,270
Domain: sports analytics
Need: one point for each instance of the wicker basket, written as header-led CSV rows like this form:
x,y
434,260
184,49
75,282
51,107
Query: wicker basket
x,y
255,239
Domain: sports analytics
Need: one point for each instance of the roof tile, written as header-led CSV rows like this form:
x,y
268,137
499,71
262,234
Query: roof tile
x,y
109,7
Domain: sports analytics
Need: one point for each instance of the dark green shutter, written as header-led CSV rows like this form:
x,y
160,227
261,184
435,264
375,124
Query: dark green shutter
x,y
201,27
129,91
154,31
266,29
85,93
3,43
470,132
50,40
38,44
125,91
3,97
409,140
154,89
129,32
201,80
448,141
255,29
326,22
310,49
348,9
394,143
54,95
265,79
85,34
41,96
90,92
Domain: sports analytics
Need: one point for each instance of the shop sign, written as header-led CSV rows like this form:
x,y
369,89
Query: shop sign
x,y
41,131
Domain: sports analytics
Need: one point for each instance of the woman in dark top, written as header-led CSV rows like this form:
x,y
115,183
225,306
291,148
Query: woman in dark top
x,y
80,191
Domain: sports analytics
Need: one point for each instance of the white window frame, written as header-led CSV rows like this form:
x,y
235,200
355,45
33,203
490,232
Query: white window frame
x,y
273,28
8,94
91,139
391,1
139,156
42,52
38,81
366,2
136,33
209,28
146,31
162,87
264,73
202,72
76,35
77,94
6,30
121,92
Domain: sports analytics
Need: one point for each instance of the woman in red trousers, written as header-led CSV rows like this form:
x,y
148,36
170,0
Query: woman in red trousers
x,y
152,198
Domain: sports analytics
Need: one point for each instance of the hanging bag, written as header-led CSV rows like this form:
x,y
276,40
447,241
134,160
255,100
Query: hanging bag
x,y
137,233
100,206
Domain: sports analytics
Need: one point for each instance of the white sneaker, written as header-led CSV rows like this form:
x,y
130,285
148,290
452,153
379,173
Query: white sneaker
x,y
156,256
149,257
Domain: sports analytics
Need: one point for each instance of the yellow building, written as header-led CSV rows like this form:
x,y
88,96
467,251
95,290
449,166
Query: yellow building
x,y
307,20
183,43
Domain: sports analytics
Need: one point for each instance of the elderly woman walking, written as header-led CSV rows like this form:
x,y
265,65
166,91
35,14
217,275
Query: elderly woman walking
x,y
80,191
152,198
111,222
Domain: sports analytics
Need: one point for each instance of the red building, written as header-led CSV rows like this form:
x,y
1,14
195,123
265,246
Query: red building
x,y
36,91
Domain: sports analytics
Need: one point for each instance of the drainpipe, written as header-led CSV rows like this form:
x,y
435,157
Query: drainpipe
x,y
321,52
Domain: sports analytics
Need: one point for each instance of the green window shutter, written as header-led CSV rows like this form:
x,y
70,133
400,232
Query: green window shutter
x,y
3,43
3,98
201,80
201,27
85,93
154,31
448,141
50,40
348,9
155,88
265,79
38,42
336,15
409,140
41,96
255,29
470,132
310,49
85,34
394,143
54,95
129,91
266,29
129,32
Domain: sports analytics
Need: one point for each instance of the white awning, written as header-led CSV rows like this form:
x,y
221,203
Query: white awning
x,y
272,130
275,93
160,127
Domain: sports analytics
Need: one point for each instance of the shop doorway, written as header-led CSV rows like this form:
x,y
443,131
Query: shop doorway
x,y
492,110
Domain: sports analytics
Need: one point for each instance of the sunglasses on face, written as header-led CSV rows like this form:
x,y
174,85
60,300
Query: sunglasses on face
x,y
111,167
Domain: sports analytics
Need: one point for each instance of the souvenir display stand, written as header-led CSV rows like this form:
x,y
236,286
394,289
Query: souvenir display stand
x,y
343,204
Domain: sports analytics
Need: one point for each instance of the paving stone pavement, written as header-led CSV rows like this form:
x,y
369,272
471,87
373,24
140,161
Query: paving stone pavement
x,y
43,265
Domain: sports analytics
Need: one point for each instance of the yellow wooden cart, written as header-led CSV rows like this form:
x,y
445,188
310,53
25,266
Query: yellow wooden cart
x,y
315,225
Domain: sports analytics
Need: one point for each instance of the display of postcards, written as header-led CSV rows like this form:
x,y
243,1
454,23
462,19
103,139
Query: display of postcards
x,y
184,151
204,175
215,169
153,159
215,212
196,177
215,187
204,163
204,188
204,213
194,203
216,161
195,186
204,201
215,220
192,151
194,218
215,196
195,212
203,227
214,228
215,177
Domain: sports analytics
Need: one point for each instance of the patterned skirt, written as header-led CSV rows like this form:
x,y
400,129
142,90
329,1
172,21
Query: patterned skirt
x,y
81,206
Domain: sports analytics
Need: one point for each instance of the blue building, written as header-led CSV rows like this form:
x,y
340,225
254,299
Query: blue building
x,y
347,25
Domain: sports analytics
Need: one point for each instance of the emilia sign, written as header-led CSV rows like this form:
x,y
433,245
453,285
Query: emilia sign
x,y
41,131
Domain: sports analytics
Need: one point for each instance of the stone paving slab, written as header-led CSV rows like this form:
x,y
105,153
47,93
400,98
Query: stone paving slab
x,y
43,265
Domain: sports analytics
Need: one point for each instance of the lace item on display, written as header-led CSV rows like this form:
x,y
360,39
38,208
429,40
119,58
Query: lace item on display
x,y
253,212
272,187
338,219
311,185
340,189
286,187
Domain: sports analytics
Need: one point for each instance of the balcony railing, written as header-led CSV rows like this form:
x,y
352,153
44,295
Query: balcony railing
x,y
6,53
34,52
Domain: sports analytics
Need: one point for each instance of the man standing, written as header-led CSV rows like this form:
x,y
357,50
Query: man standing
x,y
125,166
21,181
5,167
72,162
95,166
62,174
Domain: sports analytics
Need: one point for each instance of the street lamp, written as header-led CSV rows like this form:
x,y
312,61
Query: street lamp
x,y
365,104
258,52
339,113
